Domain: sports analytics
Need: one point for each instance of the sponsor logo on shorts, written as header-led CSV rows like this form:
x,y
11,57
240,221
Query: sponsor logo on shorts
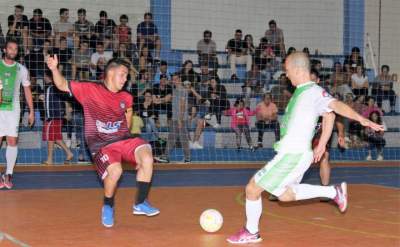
x,y
108,127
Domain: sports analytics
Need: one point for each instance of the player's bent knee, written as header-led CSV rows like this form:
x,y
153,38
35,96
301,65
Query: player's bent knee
x,y
253,191
287,196
114,171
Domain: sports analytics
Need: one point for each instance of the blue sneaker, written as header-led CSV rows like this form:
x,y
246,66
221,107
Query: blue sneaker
x,y
145,208
107,216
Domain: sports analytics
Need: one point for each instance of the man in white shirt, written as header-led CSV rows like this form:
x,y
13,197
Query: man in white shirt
x,y
99,60
282,175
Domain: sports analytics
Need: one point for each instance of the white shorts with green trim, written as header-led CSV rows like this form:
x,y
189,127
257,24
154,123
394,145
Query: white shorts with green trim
x,y
284,170
9,123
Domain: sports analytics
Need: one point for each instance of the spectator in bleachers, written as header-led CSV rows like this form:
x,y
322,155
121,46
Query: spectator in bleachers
x,y
267,118
353,60
63,29
355,128
266,60
282,92
146,61
338,81
384,87
188,74
218,98
207,51
123,52
254,82
147,113
162,98
104,30
359,82
147,35
275,35
18,29
55,109
375,138
240,122
80,62
140,86
98,60
178,127
202,94
238,53
83,29
123,31
64,55
280,71
162,70
136,124
251,49
371,107
39,29
35,59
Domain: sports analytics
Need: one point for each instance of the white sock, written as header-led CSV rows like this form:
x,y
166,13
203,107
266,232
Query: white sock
x,y
11,157
308,191
253,214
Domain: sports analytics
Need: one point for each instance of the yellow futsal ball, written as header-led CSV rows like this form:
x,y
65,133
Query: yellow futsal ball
x,y
211,220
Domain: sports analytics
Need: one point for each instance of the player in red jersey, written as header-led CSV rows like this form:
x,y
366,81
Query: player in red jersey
x,y
107,113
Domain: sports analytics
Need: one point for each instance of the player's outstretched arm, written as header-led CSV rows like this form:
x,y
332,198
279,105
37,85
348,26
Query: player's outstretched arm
x,y
346,111
58,78
328,120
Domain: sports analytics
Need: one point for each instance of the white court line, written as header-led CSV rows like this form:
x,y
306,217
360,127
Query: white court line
x,y
4,235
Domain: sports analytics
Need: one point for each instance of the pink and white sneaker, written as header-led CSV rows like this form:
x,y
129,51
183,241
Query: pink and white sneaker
x,y
341,196
7,181
2,185
244,237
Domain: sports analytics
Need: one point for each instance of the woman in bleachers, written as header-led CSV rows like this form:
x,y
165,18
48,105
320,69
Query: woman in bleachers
x,y
338,81
359,82
219,100
188,74
375,138
251,49
384,88
146,61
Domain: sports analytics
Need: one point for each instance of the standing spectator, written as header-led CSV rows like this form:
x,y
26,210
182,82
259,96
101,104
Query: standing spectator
x,y
240,122
64,29
359,82
83,29
353,60
99,60
162,70
105,29
54,113
384,87
207,51
178,127
147,35
375,138
64,55
39,28
18,29
218,98
123,31
81,61
275,36
162,98
267,118
238,53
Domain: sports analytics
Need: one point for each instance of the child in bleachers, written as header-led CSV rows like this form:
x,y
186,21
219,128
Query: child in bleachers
x,y
375,139
240,122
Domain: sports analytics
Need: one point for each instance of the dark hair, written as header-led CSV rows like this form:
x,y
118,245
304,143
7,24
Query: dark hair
x,y
103,13
369,98
238,31
9,41
116,62
238,101
122,17
385,66
267,95
63,10
149,14
163,62
306,50
141,74
62,38
37,12
291,50
176,74
148,91
47,72
99,43
355,49
207,32
272,22
379,120
81,11
314,72
82,41
19,6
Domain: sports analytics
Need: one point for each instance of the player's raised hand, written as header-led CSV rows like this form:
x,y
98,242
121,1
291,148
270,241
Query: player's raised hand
x,y
368,123
52,62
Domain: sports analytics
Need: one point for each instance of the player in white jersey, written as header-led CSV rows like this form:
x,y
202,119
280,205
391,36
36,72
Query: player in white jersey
x,y
282,175
12,76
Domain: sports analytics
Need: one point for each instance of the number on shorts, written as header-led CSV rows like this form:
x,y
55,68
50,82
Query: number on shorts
x,y
104,158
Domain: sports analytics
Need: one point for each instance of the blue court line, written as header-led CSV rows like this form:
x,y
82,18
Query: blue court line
x,y
384,176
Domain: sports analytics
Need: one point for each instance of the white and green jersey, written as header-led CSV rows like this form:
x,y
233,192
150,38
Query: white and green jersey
x,y
12,76
308,102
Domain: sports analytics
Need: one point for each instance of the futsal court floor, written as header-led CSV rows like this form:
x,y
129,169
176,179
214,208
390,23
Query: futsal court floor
x,y
60,206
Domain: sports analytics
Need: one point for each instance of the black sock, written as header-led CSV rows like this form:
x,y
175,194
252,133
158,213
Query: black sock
x,y
143,191
109,201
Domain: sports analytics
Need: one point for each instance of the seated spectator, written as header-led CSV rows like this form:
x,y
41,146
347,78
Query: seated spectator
x,y
353,60
218,99
104,30
238,53
162,97
371,107
384,87
251,49
375,138
81,62
99,60
63,29
207,51
338,81
18,29
64,55
39,29
162,70
240,122
267,118
282,92
54,114
354,127
35,60
147,35
83,29
266,60
188,74
254,82
280,71
147,113
275,35
359,82
146,61
123,31
140,86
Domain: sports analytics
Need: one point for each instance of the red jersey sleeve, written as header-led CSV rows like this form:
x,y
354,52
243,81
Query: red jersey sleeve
x,y
129,100
80,90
